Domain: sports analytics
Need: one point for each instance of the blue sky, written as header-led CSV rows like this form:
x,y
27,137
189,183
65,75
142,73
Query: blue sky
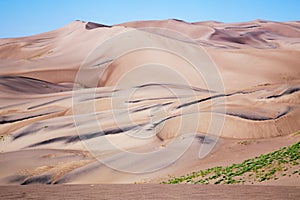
x,y
28,17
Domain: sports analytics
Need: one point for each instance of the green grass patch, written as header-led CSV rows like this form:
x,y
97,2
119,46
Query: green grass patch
x,y
282,162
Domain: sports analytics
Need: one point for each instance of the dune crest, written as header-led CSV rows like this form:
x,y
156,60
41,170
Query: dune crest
x,y
144,86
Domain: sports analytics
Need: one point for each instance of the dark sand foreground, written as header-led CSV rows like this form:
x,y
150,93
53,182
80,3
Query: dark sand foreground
x,y
149,191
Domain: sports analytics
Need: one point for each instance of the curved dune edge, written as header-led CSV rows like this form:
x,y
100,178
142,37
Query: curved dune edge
x,y
64,92
261,112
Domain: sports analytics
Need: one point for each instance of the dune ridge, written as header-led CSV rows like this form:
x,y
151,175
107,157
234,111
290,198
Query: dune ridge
x,y
66,92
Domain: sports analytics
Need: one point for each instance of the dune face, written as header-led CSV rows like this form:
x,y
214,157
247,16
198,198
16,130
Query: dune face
x,y
90,103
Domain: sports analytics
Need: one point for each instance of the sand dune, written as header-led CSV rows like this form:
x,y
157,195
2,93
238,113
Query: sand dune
x,y
90,103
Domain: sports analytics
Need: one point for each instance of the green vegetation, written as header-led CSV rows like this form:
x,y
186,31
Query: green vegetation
x,y
282,162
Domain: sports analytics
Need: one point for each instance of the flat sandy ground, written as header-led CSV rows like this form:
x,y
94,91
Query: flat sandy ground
x,y
149,191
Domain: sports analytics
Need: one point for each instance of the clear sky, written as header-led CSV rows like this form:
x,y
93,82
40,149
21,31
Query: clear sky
x,y
28,17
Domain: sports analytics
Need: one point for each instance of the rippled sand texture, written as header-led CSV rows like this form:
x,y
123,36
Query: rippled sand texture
x,y
138,95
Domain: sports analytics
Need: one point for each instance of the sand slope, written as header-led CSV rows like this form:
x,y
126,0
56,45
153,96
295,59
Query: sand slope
x,y
137,95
